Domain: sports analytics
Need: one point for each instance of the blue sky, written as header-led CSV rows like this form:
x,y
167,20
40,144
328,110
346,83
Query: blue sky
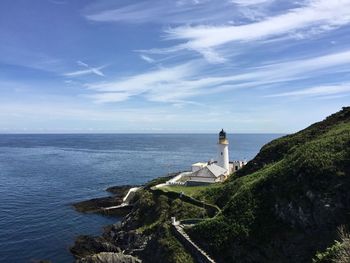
x,y
252,66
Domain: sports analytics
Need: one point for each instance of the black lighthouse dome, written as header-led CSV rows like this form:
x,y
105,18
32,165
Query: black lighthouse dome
x,y
222,134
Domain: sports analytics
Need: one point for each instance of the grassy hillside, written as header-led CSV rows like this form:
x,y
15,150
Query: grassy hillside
x,y
287,203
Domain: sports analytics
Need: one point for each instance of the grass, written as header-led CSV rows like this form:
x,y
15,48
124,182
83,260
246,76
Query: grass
x,y
267,204
339,252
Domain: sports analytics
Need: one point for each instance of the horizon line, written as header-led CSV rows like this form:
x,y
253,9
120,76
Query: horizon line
x,y
126,133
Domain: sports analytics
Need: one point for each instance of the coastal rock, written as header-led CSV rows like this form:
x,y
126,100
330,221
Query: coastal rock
x,y
126,240
87,245
96,205
108,257
120,190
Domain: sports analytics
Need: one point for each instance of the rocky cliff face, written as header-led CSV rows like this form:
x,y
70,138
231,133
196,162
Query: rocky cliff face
x,y
109,257
143,234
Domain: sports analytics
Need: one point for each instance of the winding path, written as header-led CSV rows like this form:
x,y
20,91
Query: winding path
x,y
194,249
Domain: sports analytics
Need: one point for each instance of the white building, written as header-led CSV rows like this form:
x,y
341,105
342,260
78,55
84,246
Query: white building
x,y
197,166
211,172
236,165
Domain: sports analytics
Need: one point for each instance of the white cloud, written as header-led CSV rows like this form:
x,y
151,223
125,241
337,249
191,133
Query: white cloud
x,y
304,67
163,11
151,82
207,26
110,96
81,63
179,83
316,91
147,58
96,71
250,2
90,70
317,15
73,116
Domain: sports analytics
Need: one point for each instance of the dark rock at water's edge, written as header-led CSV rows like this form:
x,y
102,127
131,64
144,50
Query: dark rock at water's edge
x,y
135,235
120,190
109,257
117,244
96,205
125,236
108,247
86,246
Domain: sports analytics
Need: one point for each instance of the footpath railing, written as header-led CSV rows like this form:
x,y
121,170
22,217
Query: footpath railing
x,y
200,255
191,221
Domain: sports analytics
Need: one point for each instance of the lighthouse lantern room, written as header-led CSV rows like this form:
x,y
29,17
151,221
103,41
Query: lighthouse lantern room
x,y
223,158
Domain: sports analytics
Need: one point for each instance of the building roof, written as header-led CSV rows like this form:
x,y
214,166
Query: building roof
x,y
199,164
216,169
211,170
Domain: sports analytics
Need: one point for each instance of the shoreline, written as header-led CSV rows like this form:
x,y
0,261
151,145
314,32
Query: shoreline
x,y
88,248
146,228
118,242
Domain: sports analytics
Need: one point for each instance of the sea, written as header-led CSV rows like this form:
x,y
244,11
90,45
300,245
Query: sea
x,y
42,175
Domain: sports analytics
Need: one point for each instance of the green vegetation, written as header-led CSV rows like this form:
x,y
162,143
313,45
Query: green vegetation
x,y
151,210
339,252
192,191
278,149
164,247
329,255
151,216
286,203
284,206
159,180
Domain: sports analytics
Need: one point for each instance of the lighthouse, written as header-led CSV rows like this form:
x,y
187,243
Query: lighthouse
x,y
223,159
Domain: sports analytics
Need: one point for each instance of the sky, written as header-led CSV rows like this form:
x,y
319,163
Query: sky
x,y
172,66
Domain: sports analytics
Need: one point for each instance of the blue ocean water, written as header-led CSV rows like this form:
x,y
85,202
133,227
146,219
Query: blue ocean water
x,y
42,175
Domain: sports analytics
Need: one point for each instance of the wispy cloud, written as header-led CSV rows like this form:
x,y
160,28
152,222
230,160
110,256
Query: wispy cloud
x,y
318,15
317,91
167,12
181,82
147,58
111,97
161,81
58,2
273,51
250,2
89,70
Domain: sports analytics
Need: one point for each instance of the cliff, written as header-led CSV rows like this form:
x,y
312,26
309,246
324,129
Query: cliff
x,y
284,206
144,233
288,202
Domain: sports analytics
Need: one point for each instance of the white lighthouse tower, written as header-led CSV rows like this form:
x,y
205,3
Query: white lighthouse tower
x,y
223,159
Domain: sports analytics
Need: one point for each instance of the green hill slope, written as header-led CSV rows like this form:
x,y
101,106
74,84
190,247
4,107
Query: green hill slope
x,y
287,203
